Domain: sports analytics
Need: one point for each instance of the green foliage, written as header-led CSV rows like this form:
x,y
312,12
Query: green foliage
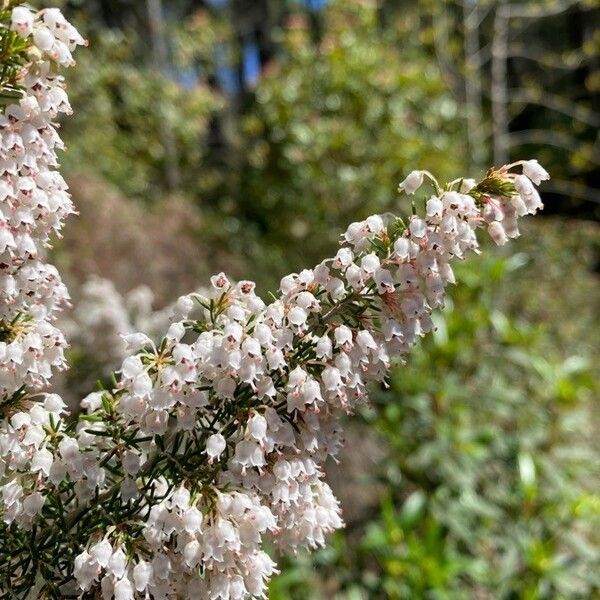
x,y
552,81
123,114
335,126
322,140
491,486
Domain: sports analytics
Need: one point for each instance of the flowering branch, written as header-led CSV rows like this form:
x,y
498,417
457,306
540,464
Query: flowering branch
x,y
211,441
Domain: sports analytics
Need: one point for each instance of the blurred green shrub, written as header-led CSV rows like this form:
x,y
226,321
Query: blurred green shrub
x,y
491,480
335,125
331,127
124,109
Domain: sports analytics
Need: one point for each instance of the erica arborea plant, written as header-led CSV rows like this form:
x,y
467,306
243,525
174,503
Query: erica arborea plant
x,y
212,441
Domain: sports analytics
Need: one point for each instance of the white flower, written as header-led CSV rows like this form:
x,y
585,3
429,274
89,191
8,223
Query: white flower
x,y
142,575
22,20
69,448
535,171
528,193
365,340
131,462
132,367
331,378
225,387
434,208
384,280
307,301
42,461
417,227
181,498
124,590
176,332
249,454
192,553
257,427
215,446
324,347
43,39
136,341
369,263
101,553
297,316
117,564
402,248
11,493
184,306
467,185
375,224
192,520
54,403
85,570
343,336
412,183
343,258
33,504
354,276
220,282
497,233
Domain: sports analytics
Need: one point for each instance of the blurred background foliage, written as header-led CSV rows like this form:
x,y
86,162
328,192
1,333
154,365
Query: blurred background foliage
x,y
124,128
488,486
244,136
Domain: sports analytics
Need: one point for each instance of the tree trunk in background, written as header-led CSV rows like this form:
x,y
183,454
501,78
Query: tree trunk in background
x,y
499,88
160,55
473,90
253,22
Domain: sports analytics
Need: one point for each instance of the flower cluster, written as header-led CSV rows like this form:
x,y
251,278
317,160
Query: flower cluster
x,y
53,37
253,392
228,545
33,204
22,447
211,441
34,201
